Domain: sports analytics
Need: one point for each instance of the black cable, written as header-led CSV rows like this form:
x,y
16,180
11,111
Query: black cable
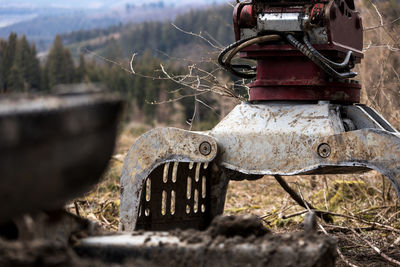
x,y
307,49
308,53
231,69
235,48
229,48
343,65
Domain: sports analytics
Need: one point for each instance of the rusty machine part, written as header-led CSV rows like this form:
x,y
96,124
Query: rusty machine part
x,y
53,148
303,117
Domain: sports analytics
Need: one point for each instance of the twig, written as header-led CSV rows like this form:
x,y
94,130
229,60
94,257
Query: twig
x,y
213,39
396,242
377,12
346,229
131,63
380,26
174,99
77,208
208,106
355,218
122,67
194,113
376,208
296,197
197,35
299,200
294,214
338,251
308,205
395,72
376,249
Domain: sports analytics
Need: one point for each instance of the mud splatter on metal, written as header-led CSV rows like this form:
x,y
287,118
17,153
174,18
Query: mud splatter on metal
x,y
272,138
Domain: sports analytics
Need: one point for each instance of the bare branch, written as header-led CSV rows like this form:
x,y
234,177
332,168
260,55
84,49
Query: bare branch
x,y
208,106
388,46
299,197
338,251
380,26
378,13
356,218
174,99
131,63
197,35
194,113
376,249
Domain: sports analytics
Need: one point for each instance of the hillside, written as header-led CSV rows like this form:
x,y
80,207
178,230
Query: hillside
x,y
41,21
120,42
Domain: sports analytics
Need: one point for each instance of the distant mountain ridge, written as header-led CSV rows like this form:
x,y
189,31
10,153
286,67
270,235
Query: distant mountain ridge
x,y
41,20
161,38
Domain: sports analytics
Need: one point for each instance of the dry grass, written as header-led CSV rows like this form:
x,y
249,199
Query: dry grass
x,y
369,207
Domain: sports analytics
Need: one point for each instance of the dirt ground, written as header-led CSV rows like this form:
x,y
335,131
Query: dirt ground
x,y
229,241
364,206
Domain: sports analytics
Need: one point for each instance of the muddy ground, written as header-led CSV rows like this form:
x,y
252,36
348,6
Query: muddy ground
x,y
229,241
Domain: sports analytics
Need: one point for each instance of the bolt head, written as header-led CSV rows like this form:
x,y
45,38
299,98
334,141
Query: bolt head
x,y
205,148
324,150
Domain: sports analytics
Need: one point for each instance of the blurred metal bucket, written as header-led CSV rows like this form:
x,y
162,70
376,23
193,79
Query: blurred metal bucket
x,y
53,148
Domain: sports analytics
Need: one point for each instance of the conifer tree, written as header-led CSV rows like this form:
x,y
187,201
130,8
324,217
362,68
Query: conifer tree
x,y
34,70
69,68
59,66
20,65
44,79
80,74
2,75
8,56
15,80
27,64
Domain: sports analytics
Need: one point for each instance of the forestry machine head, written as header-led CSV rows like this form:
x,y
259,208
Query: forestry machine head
x,y
303,117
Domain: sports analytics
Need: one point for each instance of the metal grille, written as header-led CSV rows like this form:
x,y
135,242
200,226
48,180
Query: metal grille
x,y
176,195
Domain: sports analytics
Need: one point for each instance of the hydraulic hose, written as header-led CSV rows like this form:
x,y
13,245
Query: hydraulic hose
x,y
229,48
308,53
324,63
237,47
343,65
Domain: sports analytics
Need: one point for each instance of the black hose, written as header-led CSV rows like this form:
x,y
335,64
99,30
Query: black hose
x,y
343,65
242,66
236,47
308,53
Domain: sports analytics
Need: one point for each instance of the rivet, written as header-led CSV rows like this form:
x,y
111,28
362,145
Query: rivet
x,y
324,150
205,148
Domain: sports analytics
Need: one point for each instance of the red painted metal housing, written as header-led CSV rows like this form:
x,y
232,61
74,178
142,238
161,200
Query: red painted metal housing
x,y
284,73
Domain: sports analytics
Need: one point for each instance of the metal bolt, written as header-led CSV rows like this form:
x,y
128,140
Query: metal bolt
x,y
205,148
324,150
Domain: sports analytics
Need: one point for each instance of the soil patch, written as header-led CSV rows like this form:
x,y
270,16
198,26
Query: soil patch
x,y
229,241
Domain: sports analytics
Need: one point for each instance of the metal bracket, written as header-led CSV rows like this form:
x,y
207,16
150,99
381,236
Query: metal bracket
x,y
371,148
152,149
273,138
293,139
